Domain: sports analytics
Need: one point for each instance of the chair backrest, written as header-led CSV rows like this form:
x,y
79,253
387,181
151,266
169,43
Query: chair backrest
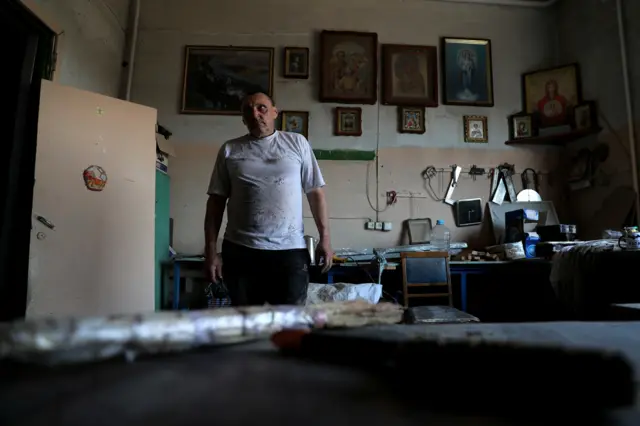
x,y
426,269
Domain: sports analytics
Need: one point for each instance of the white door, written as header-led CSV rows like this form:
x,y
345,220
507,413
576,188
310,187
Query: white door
x,y
92,252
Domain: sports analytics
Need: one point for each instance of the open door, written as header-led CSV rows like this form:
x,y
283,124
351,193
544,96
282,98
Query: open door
x,y
92,248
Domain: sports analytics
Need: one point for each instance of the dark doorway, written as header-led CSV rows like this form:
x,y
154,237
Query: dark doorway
x,y
27,58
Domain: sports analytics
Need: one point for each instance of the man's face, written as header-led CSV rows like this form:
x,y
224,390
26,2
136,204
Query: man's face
x,y
259,115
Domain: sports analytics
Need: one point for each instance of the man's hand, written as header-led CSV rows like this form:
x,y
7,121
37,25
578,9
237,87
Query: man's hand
x,y
213,268
323,250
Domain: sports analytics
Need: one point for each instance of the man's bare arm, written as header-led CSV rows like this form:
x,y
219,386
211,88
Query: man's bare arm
x,y
212,222
318,205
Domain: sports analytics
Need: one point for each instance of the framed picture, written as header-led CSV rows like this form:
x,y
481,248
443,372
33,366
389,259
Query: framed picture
x,y
475,128
347,122
585,116
552,94
296,62
295,121
522,126
348,67
409,75
411,120
467,72
217,78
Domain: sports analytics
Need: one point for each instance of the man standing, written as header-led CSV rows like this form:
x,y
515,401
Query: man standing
x,y
262,176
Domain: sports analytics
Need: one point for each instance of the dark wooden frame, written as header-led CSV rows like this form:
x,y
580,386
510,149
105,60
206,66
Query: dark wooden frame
x,y
285,70
532,126
485,133
401,110
187,50
443,63
593,111
431,53
425,254
322,63
578,88
336,121
305,130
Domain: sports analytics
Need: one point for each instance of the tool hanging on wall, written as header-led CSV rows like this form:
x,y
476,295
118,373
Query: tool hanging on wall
x,y
529,178
455,175
475,171
502,184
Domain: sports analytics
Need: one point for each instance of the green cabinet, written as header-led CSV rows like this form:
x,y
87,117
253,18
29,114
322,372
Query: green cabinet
x,y
162,231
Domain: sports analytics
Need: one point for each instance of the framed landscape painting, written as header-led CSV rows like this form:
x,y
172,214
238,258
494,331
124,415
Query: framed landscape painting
x,y
217,78
467,73
348,67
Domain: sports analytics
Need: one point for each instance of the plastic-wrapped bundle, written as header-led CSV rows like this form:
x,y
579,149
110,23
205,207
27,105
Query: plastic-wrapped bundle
x,y
76,340
73,340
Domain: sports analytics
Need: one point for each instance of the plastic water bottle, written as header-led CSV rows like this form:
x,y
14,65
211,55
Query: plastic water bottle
x,y
441,236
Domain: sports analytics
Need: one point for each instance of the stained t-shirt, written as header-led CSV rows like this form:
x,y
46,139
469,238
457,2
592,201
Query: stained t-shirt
x,y
263,180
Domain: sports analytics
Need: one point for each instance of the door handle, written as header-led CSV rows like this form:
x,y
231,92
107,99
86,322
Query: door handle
x,y
46,222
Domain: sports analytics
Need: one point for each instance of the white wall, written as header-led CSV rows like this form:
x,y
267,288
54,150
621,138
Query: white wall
x,y
519,39
91,43
522,40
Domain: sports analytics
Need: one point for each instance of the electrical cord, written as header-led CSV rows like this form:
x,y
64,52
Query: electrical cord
x,y
375,209
428,174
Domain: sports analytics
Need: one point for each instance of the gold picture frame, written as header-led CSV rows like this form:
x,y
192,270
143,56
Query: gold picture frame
x,y
347,121
552,94
295,122
475,129
411,120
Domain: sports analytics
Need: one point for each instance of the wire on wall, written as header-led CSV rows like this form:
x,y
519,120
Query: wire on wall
x,y
376,207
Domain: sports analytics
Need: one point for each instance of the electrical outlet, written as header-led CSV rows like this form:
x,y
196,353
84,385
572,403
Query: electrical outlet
x,y
378,226
370,226
386,226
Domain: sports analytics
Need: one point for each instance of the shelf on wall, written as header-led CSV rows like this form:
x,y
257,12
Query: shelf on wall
x,y
557,140
344,154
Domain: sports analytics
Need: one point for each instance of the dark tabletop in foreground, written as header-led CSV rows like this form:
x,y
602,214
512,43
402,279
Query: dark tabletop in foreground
x,y
253,384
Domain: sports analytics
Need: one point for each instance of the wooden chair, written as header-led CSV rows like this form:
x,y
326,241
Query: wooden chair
x,y
426,269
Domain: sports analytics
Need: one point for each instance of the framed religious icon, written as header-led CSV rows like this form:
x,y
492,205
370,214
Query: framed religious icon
x,y
411,120
348,67
296,62
475,128
467,72
347,121
217,78
552,94
585,116
409,75
522,126
295,121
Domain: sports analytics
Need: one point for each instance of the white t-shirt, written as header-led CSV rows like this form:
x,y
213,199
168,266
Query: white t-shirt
x,y
264,180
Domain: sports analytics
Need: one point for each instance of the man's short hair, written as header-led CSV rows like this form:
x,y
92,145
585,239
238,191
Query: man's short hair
x,y
244,100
